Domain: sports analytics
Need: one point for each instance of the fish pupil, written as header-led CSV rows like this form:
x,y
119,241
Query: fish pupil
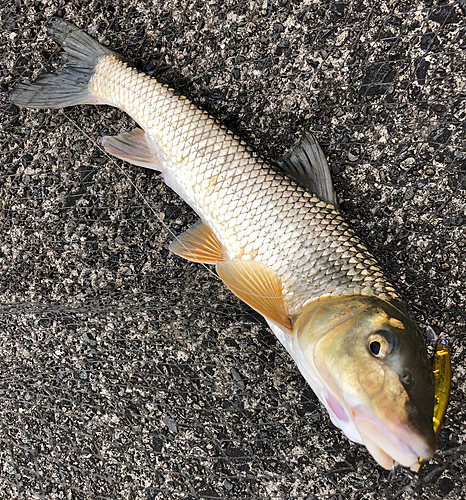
x,y
375,346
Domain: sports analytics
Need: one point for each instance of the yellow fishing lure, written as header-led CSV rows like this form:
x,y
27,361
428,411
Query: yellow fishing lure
x,y
441,367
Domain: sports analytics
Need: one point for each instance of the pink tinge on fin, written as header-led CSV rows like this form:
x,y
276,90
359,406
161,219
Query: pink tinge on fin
x,y
133,148
257,285
198,244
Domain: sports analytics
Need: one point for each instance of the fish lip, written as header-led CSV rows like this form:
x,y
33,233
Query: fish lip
x,y
402,444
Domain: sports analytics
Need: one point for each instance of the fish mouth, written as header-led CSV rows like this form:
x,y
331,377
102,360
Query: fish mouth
x,y
391,446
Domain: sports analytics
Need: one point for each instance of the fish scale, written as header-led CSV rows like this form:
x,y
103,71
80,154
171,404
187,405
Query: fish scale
x,y
255,212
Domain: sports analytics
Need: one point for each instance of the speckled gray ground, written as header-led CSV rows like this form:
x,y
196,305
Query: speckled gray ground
x,y
126,372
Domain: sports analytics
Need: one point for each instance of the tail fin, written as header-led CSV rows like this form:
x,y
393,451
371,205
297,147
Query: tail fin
x,y
70,85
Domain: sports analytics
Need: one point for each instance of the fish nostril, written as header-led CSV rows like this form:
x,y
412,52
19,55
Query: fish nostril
x,y
407,379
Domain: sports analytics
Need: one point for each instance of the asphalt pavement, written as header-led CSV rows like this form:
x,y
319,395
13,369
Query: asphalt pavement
x,y
129,373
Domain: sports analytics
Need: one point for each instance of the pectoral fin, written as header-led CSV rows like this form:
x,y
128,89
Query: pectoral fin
x,y
198,244
257,285
133,148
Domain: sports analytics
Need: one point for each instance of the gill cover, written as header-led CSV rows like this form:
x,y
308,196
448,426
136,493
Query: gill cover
x,y
367,362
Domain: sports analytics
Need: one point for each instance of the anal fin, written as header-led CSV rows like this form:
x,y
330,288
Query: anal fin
x,y
198,244
133,148
257,285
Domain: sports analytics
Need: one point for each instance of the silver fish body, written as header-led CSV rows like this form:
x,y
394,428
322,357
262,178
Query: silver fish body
x,y
255,212
279,247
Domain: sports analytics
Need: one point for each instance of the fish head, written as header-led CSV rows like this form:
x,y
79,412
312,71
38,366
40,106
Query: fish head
x,y
366,360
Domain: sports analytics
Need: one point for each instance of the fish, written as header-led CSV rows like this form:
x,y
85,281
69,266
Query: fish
x,y
278,241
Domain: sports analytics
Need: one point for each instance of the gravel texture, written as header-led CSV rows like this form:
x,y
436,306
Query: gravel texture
x,y
126,372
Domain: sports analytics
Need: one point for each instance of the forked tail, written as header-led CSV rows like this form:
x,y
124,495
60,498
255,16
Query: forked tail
x,y
70,85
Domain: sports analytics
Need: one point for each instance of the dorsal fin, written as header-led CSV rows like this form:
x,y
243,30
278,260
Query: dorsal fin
x,y
257,285
198,244
133,148
307,165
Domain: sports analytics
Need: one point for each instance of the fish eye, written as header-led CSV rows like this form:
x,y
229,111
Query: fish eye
x,y
381,343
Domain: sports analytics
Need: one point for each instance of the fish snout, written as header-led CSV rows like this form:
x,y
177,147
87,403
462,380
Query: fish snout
x,y
423,437
395,442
